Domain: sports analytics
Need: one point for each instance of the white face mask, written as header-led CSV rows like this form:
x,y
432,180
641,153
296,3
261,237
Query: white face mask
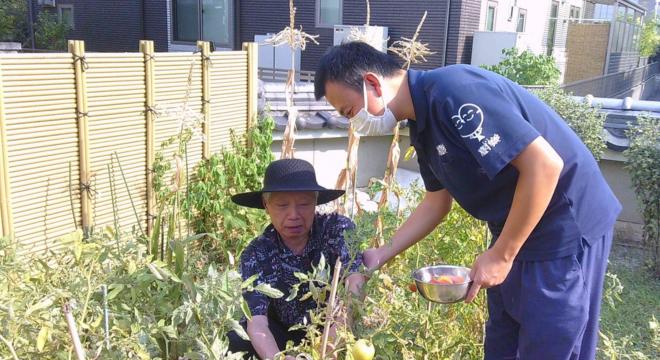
x,y
366,124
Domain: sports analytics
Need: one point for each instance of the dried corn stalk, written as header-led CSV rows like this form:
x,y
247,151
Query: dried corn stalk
x,y
366,34
348,175
295,39
412,52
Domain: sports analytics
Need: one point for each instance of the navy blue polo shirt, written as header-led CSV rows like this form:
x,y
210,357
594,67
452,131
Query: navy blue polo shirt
x,y
470,123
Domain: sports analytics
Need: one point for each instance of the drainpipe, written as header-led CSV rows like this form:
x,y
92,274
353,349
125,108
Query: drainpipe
x,y
444,53
31,23
606,68
237,25
143,23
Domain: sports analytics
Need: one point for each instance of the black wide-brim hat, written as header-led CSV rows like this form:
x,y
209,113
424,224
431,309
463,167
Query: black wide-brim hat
x,y
287,175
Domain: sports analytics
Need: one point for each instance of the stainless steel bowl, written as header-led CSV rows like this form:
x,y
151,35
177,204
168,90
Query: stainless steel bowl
x,y
442,293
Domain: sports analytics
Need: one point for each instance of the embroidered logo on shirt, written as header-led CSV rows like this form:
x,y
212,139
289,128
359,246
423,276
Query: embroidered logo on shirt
x,y
469,123
488,145
442,150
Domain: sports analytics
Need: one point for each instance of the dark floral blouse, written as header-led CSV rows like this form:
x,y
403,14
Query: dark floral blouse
x,y
267,256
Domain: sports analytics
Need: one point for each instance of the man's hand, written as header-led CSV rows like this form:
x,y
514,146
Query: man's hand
x,y
372,258
489,269
428,214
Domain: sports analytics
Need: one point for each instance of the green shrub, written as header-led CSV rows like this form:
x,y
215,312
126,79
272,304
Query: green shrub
x,y
400,323
239,168
13,21
153,313
586,121
50,32
649,40
643,163
527,68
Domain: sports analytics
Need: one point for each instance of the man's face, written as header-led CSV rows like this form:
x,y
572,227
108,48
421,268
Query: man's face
x,y
348,102
291,213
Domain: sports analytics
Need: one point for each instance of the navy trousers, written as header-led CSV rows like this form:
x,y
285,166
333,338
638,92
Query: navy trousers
x,y
549,309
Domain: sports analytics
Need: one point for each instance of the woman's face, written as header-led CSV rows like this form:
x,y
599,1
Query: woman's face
x,y
291,213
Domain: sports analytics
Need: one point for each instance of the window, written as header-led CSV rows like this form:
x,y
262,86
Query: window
x,y
209,20
575,12
552,27
328,13
604,12
490,16
65,14
522,20
625,30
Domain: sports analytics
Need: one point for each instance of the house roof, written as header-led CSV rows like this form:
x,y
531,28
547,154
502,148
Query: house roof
x,y
311,114
620,114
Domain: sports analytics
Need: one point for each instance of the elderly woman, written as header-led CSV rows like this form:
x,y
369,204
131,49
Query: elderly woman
x,y
293,242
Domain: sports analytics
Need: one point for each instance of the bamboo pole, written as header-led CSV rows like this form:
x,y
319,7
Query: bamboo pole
x,y
253,80
73,331
147,48
205,49
5,193
77,50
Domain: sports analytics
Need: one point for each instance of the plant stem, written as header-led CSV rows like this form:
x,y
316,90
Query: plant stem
x,y
88,295
331,306
10,347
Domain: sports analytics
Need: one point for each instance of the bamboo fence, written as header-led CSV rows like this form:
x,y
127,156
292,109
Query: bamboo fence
x,y
68,121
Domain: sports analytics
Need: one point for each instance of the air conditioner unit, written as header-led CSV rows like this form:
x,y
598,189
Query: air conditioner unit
x,y
46,2
375,36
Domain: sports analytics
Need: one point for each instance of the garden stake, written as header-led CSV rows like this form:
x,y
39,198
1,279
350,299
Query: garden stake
x,y
73,331
73,210
130,197
331,307
113,199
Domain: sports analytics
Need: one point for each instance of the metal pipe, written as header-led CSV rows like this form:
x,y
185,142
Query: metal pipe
x,y
620,104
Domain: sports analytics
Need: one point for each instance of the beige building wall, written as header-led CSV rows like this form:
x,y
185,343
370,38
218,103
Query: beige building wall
x,y
535,35
586,49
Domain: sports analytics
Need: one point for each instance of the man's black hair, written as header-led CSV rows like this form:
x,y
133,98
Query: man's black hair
x,y
347,64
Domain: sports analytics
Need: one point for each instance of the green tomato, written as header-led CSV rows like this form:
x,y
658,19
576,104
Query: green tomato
x,y
363,350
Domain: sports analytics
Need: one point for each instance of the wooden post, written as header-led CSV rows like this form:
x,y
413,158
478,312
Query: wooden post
x,y
7,222
205,49
147,49
253,80
77,50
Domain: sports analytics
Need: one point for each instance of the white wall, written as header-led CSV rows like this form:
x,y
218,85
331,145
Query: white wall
x,y
537,18
534,38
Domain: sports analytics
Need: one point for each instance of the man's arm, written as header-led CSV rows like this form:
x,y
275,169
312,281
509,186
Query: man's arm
x,y
428,214
539,167
261,338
